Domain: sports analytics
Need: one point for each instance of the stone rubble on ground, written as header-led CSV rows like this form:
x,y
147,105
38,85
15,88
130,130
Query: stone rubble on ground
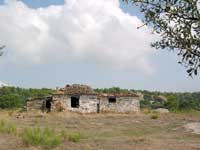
x,y
162,110
193,127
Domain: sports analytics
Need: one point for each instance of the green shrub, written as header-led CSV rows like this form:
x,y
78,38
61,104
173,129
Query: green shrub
x,y
73,137
172,103
10,101
8,128
42,137
154,116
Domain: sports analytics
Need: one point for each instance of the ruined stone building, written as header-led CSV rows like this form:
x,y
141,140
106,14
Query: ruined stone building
x,y
82,98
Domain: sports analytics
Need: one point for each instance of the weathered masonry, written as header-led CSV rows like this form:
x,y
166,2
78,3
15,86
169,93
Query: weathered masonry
x,y
81,98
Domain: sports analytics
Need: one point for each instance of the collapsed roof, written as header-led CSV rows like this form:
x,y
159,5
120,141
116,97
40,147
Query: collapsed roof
x,y
78,89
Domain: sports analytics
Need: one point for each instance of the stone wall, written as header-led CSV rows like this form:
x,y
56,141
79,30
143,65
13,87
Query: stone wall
x,y
87,104
63,100
39,103
34,105
123,104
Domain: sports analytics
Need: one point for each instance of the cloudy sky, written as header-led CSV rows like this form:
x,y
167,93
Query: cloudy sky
x,y
51,43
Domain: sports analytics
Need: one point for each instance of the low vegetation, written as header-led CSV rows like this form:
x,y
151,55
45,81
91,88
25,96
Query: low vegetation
x,y
48,137
39,136
150,130
7,128
73,137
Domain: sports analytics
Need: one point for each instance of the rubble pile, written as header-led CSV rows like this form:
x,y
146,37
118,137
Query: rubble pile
x,y
60,106
78,89
131,94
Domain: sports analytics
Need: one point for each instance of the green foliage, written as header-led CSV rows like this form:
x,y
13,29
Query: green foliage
x,y
145,103
172,103
15,97
178,23
152,100
48,137
8,128
41,137
73,137
112,90
76,137
10,101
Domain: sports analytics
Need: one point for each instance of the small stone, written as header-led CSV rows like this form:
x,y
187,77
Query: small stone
x,y
162,110
194,127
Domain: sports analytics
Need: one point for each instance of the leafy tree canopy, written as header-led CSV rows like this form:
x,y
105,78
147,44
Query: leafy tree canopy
x,y
178,23
15,97
1,47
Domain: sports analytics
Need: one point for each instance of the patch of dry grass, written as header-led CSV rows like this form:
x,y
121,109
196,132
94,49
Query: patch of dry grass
x,y
105,131
8,128
38,136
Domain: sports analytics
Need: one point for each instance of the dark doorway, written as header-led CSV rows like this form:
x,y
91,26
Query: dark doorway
x,y
112,100
98,108
75,101
48,105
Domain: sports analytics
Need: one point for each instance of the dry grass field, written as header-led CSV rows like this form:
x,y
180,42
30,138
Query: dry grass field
x,y
143,131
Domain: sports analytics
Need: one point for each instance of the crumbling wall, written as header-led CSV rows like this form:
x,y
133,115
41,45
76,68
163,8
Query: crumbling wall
x,y
39,104
60,102
87,103
35,105
123,104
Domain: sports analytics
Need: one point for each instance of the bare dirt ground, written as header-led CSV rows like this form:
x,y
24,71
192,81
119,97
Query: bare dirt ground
x,y
109,131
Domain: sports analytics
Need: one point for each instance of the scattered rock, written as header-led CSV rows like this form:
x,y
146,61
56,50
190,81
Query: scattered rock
x,y
60,106
78,89
20,116
162,110
193,127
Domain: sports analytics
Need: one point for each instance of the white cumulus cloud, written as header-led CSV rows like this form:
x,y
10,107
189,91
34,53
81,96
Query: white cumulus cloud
x,y
95,31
